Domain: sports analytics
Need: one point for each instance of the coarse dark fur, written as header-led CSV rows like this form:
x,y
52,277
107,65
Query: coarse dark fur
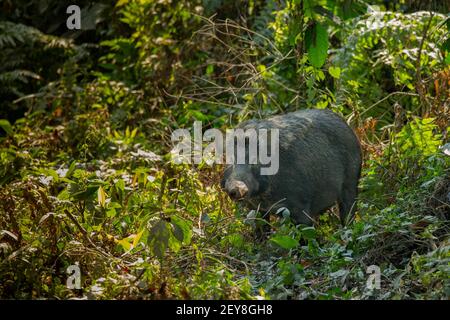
x,y
319,165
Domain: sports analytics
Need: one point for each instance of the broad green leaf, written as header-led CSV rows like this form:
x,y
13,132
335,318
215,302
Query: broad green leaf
x,y
209,69
64,195
446,45
285,242
308,8
158,238
137,238
174,244
133,133
177,232
85,194
120,185
101,196
111,213
121,3
125,244
5,125
335,72
309,233
184,226
72,168
316,40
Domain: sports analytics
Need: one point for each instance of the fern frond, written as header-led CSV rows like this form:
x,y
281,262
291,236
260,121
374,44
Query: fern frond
x,y
14,34
17,75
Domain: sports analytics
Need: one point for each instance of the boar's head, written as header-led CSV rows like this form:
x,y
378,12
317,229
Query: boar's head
x,y
243,181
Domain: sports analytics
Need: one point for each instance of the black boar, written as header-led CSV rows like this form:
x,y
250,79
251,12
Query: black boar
x,y
319,165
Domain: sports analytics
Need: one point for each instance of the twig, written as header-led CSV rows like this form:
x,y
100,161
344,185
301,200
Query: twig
x,y
75,221
420,87
387,97
85,234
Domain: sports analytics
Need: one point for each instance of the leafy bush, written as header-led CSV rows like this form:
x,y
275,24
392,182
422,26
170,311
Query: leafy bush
x,y
86,177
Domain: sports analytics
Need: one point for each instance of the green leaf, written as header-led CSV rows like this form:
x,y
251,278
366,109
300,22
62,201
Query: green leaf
x,y
84,194
134,132
130,242
335,72
111,213
118,192
72,168
339,273
285,242
121,3
184,226
49,173
174,244
309,233
137,238
209,69
316,40
158,238
5,125
101,196
446,45
177,232
125,244
308,8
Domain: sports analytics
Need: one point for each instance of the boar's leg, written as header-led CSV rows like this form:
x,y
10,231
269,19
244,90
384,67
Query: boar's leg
x,y
301,214
347,203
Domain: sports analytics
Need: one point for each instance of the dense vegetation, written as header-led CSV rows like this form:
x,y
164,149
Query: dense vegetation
x,y
85,137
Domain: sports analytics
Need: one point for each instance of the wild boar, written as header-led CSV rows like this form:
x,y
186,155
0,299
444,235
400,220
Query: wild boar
x,y
319,165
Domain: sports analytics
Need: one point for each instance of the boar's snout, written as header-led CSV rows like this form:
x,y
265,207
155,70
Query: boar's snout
x,y
236,189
